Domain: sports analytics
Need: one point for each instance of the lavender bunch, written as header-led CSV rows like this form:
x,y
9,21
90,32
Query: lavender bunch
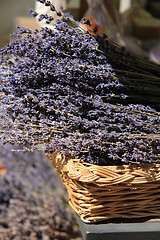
x,y
59,90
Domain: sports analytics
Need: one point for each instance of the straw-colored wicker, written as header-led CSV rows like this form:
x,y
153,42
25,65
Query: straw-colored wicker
x,y
99,193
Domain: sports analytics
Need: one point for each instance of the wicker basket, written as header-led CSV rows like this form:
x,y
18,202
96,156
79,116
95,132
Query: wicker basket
x,y
100,193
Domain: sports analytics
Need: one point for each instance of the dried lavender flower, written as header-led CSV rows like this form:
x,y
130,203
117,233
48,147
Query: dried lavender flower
x,y
60,90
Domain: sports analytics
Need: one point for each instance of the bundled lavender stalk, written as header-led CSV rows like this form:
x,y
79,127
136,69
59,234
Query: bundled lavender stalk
x,y
59,90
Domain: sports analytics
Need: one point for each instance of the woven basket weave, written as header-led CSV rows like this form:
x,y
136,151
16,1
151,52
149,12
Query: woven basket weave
x,y
99,193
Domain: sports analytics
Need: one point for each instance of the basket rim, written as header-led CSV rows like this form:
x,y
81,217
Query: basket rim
x,y
81,171
111,175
